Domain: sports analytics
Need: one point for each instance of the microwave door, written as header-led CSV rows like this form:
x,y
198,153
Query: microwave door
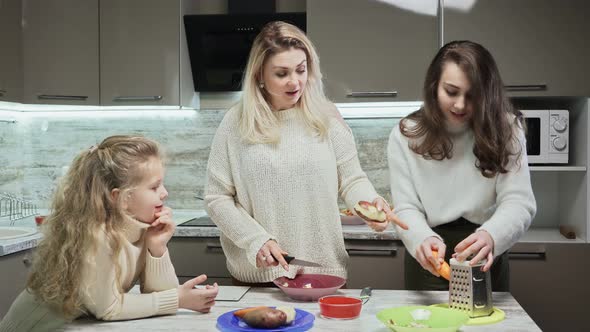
x,y
537,136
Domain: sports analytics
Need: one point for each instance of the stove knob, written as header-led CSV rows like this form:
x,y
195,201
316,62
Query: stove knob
x,y
559,143
560,125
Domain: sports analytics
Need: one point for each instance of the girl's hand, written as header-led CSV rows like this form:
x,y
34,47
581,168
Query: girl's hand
x,y
382,205
425,257
271,254
195,299
479,244
160,232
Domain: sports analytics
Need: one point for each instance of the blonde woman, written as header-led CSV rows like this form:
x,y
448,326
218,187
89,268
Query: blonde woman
x,y
108,228
279,160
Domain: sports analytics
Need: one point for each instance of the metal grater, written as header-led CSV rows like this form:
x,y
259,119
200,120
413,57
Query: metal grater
x,y
470,289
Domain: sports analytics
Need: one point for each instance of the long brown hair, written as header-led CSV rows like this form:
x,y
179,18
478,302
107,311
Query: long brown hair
x,y
493,129
81,208
258,123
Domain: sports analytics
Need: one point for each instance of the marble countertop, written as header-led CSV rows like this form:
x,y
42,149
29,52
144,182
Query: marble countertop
x,y
355,232
516,317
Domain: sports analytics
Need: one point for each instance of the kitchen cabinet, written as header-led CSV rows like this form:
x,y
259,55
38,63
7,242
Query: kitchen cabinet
x,y
550,281
375,263
13,278
195,256
139,52
11,55
60,52
541,47
370,50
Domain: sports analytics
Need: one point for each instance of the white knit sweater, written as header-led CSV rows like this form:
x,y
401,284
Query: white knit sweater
x,y
287,192
428,193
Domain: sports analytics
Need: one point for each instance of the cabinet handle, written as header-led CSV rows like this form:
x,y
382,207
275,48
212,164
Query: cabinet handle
x,y
375,252
8,120
536,255
372,94
526,87
62,97
27,262
214,247
2,92
137,98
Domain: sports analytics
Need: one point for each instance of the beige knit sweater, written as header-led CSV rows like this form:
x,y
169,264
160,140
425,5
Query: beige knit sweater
x,y
101,297
287,192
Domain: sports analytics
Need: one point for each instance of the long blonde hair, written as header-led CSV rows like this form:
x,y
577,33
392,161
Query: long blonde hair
x,y
258,123
81,208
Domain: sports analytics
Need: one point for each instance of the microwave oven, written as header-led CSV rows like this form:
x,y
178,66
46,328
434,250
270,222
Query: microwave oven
x,y
547,136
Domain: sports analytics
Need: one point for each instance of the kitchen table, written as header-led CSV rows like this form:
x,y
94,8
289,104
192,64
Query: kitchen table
x,y
516,317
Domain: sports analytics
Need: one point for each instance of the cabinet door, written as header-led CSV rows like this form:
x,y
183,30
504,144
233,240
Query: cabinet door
x,y
541,47
60,51
139,52
195,256
375,263
15,269
370,49
11,75
550,281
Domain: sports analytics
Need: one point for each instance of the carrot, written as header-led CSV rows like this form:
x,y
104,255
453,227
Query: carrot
x,y
242,312
445,269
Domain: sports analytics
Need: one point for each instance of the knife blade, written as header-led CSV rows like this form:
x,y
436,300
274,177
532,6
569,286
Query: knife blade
x,y
296,261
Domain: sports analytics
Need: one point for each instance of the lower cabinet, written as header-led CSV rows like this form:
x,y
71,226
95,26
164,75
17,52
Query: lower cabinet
x,y
195,256
550,281
375,263
13,278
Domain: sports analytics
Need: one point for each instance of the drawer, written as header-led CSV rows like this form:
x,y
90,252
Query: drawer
x,y
375,263
194,256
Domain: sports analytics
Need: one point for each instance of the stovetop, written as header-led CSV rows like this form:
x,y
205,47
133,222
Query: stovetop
x,y
203,221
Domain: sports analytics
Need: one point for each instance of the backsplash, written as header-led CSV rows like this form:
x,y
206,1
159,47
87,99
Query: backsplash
x,y
37,148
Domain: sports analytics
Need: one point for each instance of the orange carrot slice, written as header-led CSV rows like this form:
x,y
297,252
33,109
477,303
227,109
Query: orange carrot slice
x,y
445,269
242,312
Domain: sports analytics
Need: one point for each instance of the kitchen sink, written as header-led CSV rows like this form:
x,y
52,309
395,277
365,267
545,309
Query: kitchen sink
x,y
7,233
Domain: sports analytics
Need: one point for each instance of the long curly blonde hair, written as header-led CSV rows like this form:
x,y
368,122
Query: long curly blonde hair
x,y
81,208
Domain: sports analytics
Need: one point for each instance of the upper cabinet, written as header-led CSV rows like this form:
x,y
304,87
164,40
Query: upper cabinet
x,y
372,51
139,52
11,54
60,52
107,52
541,47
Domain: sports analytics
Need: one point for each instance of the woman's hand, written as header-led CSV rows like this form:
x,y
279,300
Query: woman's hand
x,y
196,299
425,257
271,254
382,205
479,244
160,232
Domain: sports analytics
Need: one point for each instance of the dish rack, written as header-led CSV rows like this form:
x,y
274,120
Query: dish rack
x,y
14,208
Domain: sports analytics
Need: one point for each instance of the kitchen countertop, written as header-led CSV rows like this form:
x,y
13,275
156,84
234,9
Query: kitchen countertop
x,y
356,232
516,317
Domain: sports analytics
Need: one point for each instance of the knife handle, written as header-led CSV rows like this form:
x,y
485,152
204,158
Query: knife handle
x,y
288,258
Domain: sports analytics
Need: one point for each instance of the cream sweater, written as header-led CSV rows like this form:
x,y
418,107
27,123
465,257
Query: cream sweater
x,y
287,192
158,281
101,297
428,193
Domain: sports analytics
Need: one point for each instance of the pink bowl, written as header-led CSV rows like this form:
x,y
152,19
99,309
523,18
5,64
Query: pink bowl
x,y
340,307
309,287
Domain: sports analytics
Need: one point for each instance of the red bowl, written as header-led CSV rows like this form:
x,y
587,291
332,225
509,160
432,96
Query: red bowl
x,y
340,307
309,287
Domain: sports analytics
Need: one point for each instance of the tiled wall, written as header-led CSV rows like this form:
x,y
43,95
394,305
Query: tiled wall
x,y
35,149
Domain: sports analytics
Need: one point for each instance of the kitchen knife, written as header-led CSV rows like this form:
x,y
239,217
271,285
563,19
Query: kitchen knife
x,y
295,261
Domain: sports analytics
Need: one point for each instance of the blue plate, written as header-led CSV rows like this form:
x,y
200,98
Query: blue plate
x,y
228,322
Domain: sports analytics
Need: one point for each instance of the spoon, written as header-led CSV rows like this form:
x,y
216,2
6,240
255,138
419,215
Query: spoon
x,y
366,294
